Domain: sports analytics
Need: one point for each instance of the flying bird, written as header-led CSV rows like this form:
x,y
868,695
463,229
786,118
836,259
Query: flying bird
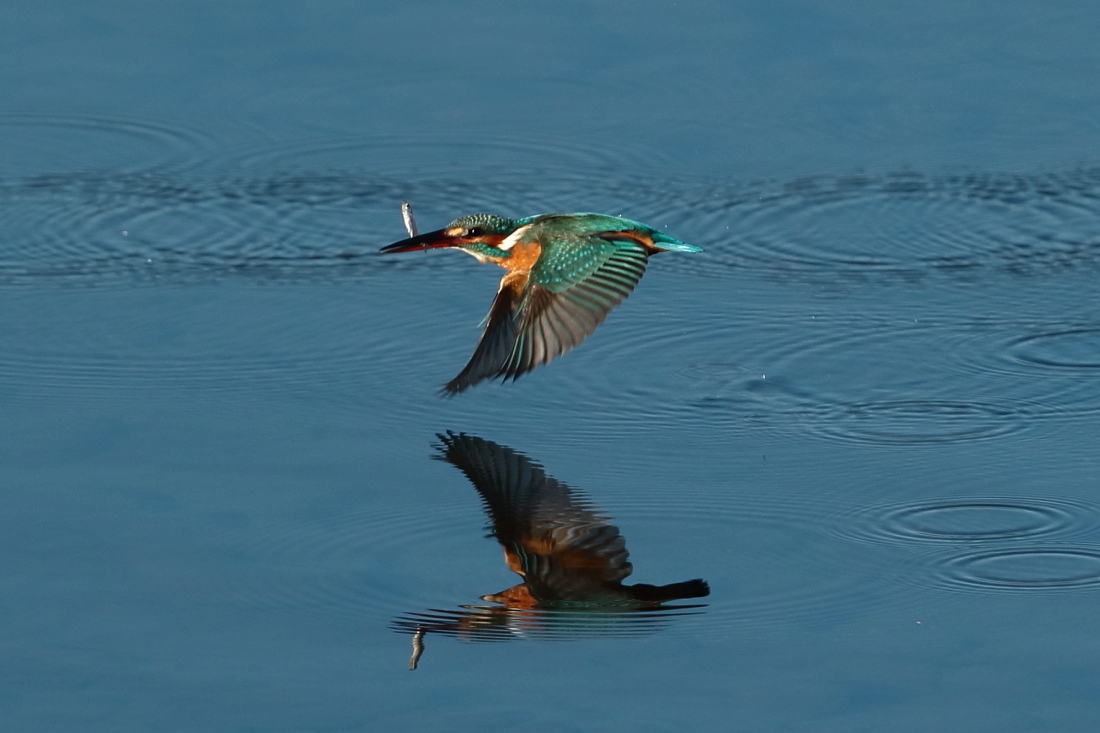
x,y
565,273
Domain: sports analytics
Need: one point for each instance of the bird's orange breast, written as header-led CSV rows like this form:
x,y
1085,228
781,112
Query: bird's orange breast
x,y
523,257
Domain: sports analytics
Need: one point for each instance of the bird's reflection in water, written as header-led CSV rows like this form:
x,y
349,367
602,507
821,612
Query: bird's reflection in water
x,y
571,560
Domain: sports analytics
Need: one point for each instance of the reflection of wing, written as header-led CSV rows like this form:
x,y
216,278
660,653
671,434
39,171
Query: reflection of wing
x,y
551,535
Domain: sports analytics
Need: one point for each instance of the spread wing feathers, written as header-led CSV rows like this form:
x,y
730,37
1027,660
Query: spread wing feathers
x,y
534,320
551,322
497,340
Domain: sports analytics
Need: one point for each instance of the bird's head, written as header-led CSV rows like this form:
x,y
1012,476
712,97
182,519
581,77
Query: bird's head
x,y
478,234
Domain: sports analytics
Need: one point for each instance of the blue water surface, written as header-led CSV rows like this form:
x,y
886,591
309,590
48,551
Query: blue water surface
x,y
866,415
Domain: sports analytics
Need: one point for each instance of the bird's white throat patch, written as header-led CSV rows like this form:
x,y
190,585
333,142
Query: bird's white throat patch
x,y
513,239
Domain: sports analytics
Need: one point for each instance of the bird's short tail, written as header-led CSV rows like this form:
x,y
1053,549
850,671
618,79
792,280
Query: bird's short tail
x,y
697,588
672,244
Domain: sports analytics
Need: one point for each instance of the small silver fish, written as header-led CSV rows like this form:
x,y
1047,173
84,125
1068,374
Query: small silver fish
x,y
410,220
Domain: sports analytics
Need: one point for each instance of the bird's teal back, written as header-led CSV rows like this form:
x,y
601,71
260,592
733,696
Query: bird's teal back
x,y
575,246
568,259
582,224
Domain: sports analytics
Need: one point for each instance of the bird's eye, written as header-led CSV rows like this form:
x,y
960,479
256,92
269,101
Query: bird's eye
x,y
473,232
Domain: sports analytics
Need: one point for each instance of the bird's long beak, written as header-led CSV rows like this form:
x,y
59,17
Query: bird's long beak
x,y
431,240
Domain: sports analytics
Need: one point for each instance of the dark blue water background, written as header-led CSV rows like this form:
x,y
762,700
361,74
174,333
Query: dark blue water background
x,y
867,414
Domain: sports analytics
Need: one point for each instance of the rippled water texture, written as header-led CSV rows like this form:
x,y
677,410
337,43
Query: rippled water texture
x,y
957,314
865,415
987,368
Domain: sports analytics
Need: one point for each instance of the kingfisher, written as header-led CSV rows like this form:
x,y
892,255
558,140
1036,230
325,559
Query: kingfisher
x,y
564,274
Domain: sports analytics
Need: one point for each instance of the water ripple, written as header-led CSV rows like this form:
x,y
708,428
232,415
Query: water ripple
x,y
900,226
99,230
321,208
985,537
38,144
1022,569
968,520
933,382
357,564
496,623
915,422
243,343
1078,349
443,156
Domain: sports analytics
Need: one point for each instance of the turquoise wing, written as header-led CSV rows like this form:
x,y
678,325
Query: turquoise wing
x,y
588,264
536,319
568,295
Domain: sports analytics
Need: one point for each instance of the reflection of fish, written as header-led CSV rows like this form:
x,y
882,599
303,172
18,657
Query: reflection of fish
x,y
565,273
566,553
